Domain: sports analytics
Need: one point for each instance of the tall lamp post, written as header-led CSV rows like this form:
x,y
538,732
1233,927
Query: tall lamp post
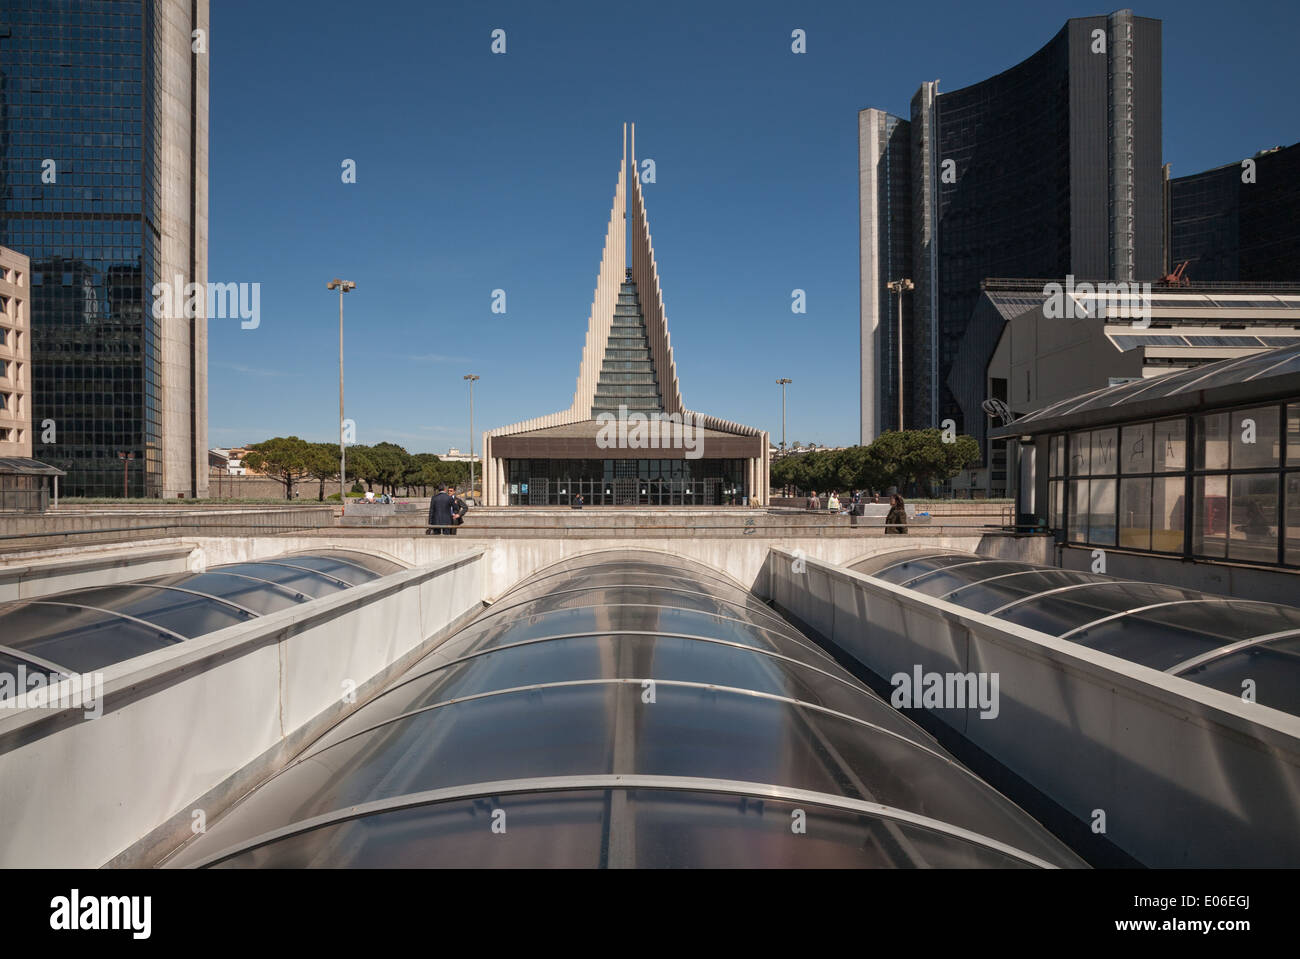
x,y
470,377
899,287
783,383
343,286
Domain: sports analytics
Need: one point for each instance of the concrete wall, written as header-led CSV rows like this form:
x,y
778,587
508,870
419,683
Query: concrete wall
x,y
83,567
113,525
182,135
1186,775
509,560
193,727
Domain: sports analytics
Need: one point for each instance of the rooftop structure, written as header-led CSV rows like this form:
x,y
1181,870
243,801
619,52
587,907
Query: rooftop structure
x,y
1050,339
89,629
620,710
1176,476
1216,641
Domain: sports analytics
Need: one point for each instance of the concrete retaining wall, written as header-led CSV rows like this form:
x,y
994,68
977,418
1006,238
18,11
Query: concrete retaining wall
x,y
116,524
193,727
65,569
1185,775
509,560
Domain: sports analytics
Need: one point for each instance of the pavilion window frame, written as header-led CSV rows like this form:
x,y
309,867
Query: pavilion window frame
x,y
1066,468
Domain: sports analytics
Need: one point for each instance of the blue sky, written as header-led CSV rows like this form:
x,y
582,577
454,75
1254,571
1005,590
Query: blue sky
x,y
478,171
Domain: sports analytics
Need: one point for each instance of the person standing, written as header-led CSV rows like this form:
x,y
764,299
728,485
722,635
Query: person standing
x,y
458,510
896,521
440,512
833,502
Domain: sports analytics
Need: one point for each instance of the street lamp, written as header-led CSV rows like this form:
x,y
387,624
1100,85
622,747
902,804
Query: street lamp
x,y
900,287
783,383
471,378
343,286
126,459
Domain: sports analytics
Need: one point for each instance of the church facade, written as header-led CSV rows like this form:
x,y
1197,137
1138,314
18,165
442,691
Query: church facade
x,y
627,439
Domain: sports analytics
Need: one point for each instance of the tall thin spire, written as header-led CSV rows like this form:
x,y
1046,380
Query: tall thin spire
x,y
645,274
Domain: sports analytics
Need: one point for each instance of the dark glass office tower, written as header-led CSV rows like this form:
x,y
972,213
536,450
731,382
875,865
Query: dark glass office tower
x,y
103,184
1233,230
1049,168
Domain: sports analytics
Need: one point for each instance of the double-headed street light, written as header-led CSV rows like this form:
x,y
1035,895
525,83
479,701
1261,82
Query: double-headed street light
x,y
343,286
471,378
899,287
783,383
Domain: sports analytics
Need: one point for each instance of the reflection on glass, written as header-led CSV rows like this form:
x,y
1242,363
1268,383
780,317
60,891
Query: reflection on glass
x,y
1168,512
1101,518
1080,453
1293,519
1169,445
1212,442
1254,438
1105,462
1293,434
1136,449
651,829
1135,513
1253,536
1272,670
1210,516
1078,532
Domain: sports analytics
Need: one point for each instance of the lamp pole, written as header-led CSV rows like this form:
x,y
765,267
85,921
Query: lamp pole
x,y
899,287
343,286
783,383
470,378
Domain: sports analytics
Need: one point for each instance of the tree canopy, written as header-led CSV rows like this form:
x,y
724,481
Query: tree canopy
x,y
388,466
901,459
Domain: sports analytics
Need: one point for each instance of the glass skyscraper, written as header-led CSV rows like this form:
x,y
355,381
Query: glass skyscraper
x,y
1051,167
1230,229
103,185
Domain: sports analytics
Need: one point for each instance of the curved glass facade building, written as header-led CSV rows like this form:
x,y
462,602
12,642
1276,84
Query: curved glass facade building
x,y
1216,641
626,708
1051,167
88,629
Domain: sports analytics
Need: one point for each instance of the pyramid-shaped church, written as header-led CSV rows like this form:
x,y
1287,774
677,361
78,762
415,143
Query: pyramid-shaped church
x,y
627,440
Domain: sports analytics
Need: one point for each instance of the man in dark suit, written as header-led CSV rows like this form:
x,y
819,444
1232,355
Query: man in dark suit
x,y
458,509
440,512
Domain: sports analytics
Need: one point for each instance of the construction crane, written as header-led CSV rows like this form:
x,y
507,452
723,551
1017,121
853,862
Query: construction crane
x,y
1176,278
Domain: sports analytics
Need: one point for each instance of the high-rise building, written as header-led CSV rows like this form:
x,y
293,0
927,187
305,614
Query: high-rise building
x,y
1239,223
103,184
1049,168
15,366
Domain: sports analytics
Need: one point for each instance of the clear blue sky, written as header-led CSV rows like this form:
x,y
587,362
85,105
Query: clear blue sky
x,y
477,172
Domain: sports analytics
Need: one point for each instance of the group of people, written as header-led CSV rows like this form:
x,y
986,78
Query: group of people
x,y
895,521
446,511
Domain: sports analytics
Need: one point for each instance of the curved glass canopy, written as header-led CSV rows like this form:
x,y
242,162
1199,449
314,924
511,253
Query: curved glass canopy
x,y
88,629
1190,383
626,708
1213,640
